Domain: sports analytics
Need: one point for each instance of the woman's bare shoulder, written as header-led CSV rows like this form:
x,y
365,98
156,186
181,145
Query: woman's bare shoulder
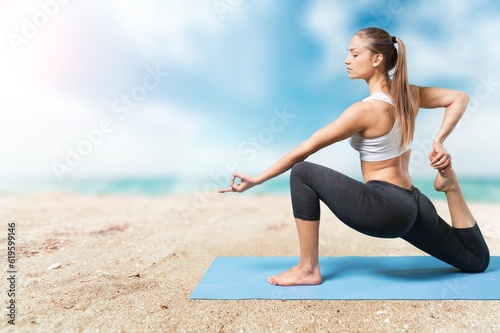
x,y
415,91
415,97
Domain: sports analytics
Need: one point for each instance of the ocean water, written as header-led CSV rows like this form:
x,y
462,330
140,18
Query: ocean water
x,y
475,189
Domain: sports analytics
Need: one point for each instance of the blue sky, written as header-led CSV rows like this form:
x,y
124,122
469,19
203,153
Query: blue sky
x,y
196,87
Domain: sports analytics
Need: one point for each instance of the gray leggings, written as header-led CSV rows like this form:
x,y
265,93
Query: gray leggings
x,y
385,210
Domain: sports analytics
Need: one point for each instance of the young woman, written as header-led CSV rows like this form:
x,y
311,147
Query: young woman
x,y
387,204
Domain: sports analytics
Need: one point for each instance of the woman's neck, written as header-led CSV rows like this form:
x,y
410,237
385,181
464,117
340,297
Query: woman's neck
x,y
378,83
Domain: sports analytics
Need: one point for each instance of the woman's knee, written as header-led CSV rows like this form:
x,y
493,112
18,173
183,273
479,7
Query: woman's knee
x,y
299,169
482,263
477,249
485,263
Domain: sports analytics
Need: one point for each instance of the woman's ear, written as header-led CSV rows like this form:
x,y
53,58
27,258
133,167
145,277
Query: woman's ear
x,y
377,59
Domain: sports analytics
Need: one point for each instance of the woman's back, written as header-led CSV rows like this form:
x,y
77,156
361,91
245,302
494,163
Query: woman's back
x,y
382,157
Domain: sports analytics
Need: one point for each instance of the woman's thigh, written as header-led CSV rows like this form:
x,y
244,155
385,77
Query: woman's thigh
x,y
377,209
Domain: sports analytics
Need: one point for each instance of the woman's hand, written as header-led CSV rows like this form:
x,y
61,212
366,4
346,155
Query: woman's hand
x,y
245,183
439,157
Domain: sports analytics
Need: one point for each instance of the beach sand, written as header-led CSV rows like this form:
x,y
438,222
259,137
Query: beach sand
x,y
129,264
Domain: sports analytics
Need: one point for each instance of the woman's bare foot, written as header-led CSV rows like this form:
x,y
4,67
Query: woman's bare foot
x,y
297,276
445,181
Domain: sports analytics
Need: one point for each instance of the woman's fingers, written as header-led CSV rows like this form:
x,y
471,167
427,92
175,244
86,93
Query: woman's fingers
x,y
439,156
440,160
234,187
238,175
445,160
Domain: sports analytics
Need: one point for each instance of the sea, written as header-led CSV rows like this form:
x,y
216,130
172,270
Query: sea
x,y
475,189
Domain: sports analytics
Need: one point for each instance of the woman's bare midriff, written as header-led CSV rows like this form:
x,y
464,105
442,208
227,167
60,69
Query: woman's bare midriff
x,y
394,171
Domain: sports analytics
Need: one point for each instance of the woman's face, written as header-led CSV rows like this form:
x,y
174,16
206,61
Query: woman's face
x,y
361,63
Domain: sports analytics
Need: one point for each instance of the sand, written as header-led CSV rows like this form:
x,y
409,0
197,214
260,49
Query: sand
x,y
129,264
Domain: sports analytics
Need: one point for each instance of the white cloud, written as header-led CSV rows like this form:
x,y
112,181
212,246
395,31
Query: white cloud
x,y
171,29
330,24
152,140
34,128
34,116
461,47
94,47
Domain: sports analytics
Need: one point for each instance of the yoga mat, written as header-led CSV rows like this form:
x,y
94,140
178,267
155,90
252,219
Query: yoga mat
x,y
350,278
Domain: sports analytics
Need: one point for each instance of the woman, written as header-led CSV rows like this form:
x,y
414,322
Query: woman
x,y
386,205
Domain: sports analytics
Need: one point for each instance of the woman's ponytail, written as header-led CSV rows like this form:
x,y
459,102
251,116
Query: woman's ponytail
x,y
380,42
401,95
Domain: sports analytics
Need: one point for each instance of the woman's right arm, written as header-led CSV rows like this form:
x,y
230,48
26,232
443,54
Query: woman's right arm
x,y
455,103
351,121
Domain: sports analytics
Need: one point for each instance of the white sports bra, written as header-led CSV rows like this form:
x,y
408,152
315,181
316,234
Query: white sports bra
x,y
383,147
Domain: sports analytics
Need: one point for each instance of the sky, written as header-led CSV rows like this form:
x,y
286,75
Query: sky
x,y
201,88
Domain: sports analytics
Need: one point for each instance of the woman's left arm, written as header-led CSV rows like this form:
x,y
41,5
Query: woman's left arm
x,y
351,121
455,103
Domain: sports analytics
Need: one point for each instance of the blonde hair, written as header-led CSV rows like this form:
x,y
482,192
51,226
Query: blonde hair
x,y
378,41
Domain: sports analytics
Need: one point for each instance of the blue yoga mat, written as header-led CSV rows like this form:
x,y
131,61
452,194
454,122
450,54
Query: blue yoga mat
x,y
350,278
